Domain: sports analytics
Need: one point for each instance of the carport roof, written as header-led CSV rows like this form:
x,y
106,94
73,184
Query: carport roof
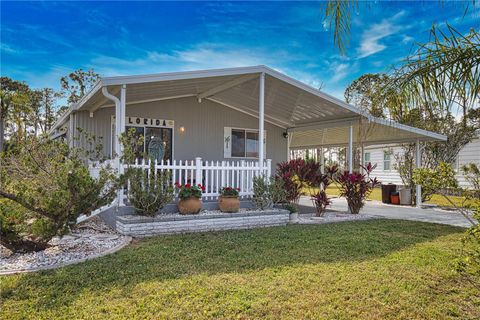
x,y
311,117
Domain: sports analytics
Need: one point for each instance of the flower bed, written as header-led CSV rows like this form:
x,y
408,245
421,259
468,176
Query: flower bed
x,y
206,220
90,239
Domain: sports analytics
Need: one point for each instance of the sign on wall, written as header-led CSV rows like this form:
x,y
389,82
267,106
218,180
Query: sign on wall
x,y
148,122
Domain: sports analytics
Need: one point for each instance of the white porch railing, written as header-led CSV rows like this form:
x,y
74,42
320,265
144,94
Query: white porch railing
x,y
213,175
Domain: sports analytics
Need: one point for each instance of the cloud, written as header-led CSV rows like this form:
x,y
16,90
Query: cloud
x,y
371,38
7,48
201,56
340,71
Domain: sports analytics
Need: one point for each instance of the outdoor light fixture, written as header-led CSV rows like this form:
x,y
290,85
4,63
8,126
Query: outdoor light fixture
x,y
182,129
285,135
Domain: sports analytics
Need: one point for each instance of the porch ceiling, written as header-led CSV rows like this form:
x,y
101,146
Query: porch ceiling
x,y
311,117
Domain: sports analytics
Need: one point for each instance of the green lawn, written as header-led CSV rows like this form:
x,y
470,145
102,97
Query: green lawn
x,y
377,269
376,194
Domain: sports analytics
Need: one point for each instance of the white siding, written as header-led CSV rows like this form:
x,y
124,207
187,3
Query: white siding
x,y
469,154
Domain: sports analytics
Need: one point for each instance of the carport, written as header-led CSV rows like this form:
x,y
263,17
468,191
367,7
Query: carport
x,y
310,118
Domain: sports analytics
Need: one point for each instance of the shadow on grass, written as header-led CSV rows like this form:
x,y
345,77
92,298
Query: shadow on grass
x,y
171,257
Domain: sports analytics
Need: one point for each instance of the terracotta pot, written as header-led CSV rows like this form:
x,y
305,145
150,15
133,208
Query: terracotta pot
x,y
228,204
190,205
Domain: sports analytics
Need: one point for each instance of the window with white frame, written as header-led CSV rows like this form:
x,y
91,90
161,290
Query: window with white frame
x,y
366,157
241,143
387,160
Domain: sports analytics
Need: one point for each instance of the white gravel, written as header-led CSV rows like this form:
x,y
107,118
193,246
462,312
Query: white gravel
x,y
331,217
90,239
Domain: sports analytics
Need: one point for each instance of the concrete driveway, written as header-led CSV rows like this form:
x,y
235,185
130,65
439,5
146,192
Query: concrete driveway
x,y
377,209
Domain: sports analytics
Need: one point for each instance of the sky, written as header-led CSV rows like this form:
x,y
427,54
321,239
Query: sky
x,y
43,41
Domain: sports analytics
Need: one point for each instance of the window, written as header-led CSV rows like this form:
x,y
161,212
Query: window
x,y
366,157
244,143
386,160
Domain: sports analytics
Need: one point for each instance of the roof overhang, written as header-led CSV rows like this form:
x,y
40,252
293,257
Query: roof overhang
x,y
311,117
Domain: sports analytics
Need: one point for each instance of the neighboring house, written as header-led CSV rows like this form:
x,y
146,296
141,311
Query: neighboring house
x,y
221,127
385,159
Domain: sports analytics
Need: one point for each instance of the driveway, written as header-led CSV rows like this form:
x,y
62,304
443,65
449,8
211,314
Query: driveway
x,y
377,209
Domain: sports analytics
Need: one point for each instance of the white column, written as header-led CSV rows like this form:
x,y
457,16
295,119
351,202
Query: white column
x,y
362,158
71,130
418,164
322,160
261,116
350,148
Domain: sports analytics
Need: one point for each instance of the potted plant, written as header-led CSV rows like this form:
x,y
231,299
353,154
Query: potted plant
x,y
293,209
228,200
190,198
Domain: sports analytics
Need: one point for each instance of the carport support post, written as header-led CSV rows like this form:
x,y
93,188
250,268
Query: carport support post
x,y
418,164
350,148
261,116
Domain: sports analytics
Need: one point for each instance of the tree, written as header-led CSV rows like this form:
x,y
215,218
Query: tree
x,y
48,109
77,84
363,93
338,17
12,98
443,73
47,186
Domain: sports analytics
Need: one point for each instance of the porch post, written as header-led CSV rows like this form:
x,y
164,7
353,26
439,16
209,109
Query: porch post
x,y
418,164
362,158
350,148
261,116
71,130
322,161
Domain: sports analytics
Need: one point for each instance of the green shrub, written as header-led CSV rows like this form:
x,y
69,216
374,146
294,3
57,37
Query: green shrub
x,y
267,192
149,191
433,180
50,186
470,261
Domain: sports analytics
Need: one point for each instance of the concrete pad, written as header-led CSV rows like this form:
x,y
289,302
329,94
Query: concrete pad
x,y
377,209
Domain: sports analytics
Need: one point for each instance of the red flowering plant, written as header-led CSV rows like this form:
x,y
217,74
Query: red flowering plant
x,y
356,187
188,191
320,199
229,192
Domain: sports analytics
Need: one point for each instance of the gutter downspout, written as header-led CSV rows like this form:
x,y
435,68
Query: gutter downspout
x,y
118,117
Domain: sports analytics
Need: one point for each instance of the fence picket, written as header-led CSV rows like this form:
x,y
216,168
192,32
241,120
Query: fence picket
x,y
212,174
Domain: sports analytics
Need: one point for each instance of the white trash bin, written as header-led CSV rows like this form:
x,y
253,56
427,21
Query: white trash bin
x,y
405,196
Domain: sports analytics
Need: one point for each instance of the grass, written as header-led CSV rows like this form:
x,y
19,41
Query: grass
x,y
376,194
376,269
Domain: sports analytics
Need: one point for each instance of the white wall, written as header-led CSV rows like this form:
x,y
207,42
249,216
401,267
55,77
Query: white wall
x,y
470,153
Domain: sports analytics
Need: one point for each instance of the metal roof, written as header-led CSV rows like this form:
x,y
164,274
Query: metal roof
x,y
311,117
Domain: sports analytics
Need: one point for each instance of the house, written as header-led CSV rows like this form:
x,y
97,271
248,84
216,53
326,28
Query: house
x,y
385,157
221,127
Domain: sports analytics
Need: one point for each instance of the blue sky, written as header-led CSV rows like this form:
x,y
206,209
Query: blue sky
x,y
42,41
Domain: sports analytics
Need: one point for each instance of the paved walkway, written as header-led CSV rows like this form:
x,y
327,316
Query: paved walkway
x,y
377,209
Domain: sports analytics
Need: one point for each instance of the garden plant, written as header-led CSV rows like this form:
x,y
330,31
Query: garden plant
x,y
356,187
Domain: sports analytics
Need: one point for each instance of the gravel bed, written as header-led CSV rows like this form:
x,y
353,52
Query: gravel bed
x,y
331,217
90,239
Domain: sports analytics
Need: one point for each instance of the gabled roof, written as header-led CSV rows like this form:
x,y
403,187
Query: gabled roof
x,y
313,117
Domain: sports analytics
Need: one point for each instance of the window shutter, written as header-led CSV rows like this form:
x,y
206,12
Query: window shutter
x,y
227,142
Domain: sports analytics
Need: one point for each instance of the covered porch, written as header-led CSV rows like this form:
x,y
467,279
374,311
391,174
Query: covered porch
x,y
303,117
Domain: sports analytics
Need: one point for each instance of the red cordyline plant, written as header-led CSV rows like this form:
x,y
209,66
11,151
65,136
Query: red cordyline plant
x,y
298,174
187,190
320,199
356,187
229,192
